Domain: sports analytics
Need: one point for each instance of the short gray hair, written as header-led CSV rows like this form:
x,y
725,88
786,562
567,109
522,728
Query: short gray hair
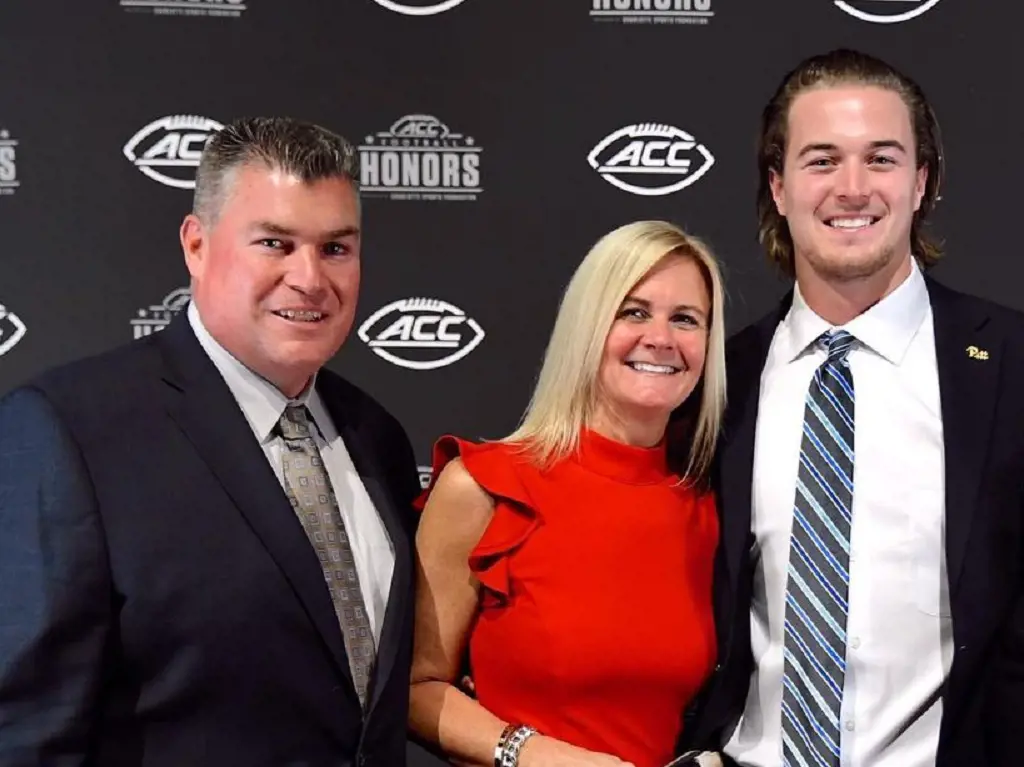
x,y
303,149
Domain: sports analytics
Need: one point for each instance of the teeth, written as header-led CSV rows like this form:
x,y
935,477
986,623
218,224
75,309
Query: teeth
x,y
301,316
850,223
646,367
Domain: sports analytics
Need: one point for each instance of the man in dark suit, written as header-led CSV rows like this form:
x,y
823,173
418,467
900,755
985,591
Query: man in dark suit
x,y
870,598
205,538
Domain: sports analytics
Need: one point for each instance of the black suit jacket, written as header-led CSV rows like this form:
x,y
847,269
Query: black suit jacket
x,y
982,406
160,603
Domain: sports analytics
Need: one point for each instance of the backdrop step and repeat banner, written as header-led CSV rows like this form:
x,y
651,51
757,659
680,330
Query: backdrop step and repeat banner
x,y
499,139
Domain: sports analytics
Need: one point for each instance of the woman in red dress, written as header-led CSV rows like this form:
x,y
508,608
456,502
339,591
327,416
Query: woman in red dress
x,y
573,559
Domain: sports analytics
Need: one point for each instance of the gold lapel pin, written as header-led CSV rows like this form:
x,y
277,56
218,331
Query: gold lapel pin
x,y
977,354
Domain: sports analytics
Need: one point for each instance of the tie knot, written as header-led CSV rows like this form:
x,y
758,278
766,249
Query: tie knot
x,y
838,344
294,422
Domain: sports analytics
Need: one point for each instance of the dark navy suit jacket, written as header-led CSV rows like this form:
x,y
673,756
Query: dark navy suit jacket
x,y
982,405
160,605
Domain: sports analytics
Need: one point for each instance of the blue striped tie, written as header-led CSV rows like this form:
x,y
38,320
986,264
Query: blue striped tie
x,y
818,576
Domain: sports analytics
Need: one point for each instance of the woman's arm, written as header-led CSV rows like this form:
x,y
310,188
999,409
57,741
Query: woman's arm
x,y
455,516
447,596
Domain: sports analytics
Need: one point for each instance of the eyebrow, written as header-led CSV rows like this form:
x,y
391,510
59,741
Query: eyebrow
x,y
825,147
282,231
680,307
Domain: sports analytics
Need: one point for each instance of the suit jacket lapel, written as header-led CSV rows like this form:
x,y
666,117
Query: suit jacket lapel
x,y
352,429
746,356
203,407
968,350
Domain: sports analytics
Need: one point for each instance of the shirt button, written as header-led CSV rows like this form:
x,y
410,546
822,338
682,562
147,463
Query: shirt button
x,y
855,643
849,725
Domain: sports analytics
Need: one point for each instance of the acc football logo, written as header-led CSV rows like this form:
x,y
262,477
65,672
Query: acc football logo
x,y
669,158
168,150
420,158
886,11
653,12
229,8
421,333
8,163
12,330
425,472
158,316
425,8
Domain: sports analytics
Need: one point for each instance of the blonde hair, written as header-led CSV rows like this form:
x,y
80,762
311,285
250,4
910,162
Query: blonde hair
x,y
565,398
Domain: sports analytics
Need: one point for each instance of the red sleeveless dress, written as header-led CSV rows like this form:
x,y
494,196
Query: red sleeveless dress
x,y
596,622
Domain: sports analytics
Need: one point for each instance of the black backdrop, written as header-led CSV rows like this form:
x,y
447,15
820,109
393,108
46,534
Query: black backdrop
x,y
496,138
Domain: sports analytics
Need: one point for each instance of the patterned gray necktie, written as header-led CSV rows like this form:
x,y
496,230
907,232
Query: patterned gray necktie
x,y
309,489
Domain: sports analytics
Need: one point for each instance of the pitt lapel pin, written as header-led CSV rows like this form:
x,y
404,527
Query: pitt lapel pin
x,y
977,354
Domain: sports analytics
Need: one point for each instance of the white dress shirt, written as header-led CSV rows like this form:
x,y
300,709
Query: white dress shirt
x,y
262,403
899,631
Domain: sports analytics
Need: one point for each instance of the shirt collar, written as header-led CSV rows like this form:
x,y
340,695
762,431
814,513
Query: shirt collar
x,y
261,402
887,328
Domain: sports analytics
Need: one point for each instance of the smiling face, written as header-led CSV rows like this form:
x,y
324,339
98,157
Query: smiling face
x,y
654,353
849,186
276,276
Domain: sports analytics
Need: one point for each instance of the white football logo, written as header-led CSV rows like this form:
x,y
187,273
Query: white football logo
x,y
428,9
420,327
177,299
419,126
192,5
425,472
670,158
172,142
156,317
12,330
867,10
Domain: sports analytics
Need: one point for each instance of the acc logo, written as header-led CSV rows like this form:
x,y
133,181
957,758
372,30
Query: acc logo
x,y
878,11
229,8
653,11
671,158
168,150
8,163
158,316
12,330
420,158
419,126
425,8
425,333
425,472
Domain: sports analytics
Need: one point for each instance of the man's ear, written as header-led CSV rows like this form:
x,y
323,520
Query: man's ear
x,y
194,244
775,183
921,183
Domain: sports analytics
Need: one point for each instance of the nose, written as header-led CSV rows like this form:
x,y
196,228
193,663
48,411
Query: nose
x,y
306,272
852,183
658,333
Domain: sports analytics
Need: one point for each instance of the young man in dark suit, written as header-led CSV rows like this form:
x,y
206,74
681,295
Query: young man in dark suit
x,y
870,598
205,537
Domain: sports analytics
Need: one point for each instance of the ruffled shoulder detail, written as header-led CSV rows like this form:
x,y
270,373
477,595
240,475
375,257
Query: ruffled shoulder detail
x,y
499,470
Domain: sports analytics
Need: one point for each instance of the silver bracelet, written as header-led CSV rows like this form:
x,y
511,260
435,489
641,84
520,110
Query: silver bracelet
x,y
507,753
499,749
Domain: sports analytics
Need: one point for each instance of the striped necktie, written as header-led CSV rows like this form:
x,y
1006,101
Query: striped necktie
x,y
818,575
